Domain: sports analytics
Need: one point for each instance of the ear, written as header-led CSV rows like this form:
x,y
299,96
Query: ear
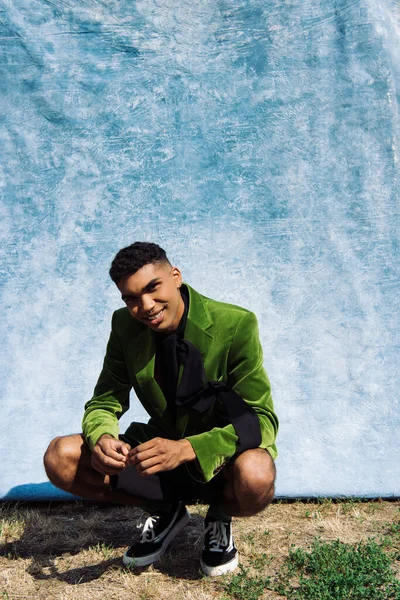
x,y
177,275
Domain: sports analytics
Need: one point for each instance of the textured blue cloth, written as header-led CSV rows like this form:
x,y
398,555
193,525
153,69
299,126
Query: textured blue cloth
x,y
258,143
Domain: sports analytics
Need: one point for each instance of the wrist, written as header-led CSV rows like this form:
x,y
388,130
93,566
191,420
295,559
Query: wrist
x,y
105,436
187,452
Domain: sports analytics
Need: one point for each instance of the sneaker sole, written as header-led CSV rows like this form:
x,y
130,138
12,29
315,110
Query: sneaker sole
x,y
221,569
149,559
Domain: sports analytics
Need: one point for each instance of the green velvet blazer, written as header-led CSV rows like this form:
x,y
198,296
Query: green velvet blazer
x,y
227,337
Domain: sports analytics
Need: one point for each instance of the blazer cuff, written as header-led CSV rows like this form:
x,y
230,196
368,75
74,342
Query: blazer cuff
x,y
213,449
93,437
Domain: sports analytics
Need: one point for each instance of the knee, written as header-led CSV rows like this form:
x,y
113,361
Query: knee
x,y
254,480
59,458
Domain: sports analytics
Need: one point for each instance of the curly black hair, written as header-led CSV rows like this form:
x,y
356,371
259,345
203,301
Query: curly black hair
x,y
132,258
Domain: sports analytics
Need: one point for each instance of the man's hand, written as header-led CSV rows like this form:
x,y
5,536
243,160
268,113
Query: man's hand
x,y
160,454
109,455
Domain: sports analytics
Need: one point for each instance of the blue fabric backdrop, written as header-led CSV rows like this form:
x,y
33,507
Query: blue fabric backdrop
x,y
257,141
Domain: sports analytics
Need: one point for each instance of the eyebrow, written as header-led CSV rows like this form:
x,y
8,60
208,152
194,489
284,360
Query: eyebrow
x,y
146,288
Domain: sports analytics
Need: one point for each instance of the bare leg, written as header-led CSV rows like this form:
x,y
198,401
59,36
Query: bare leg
x,y
249,486
248,489
68,466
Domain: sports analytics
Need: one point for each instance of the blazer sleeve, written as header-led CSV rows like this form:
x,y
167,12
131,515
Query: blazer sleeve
x,y
111,395
246,376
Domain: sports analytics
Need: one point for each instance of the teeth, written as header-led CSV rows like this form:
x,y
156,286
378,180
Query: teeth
x,y
154,317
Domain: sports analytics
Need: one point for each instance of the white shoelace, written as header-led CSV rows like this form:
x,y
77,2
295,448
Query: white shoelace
x,y
148,533
218,538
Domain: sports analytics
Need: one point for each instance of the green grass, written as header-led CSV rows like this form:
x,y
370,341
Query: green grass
x,y
338,571
329,571
393,530
243,586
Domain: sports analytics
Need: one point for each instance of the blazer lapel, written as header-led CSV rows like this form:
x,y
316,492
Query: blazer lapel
x,y
198,322
151,395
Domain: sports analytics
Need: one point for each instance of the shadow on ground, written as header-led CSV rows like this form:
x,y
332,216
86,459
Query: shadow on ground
x,y
53,535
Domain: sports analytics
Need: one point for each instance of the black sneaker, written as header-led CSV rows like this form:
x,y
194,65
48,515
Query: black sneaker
x,y
219,555
158,532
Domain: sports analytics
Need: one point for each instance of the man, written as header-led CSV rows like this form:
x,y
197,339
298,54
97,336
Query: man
x,y
196,366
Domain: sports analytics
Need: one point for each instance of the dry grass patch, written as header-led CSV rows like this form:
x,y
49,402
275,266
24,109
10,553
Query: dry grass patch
x,y
66,551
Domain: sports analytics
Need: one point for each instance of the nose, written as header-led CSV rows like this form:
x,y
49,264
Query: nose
x,y
147,303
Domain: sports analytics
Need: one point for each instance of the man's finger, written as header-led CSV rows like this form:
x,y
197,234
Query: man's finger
x,y
111,453
106,469
125,448
139,457
108,462
150,462
149,444
119,446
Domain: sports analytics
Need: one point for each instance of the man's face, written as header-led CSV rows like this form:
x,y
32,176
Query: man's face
x,y
152,296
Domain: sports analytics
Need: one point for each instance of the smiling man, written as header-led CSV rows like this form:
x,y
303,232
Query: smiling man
x,y
196,366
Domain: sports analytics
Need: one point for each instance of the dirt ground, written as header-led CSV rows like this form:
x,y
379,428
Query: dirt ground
x,y
73,550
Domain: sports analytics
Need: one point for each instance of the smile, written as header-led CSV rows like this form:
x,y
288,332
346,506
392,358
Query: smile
x,y
156,316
